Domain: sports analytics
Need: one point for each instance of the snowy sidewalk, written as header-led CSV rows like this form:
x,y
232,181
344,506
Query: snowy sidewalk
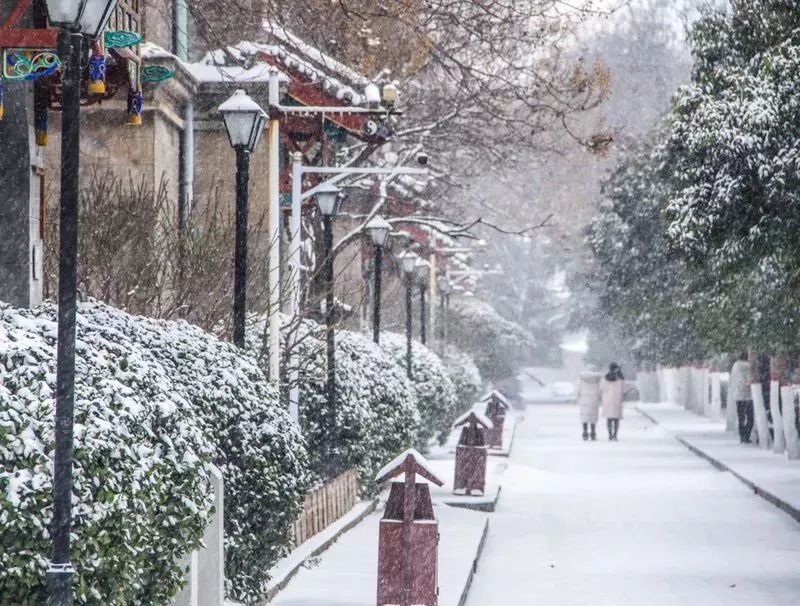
x,y
770,475
346,574
638,522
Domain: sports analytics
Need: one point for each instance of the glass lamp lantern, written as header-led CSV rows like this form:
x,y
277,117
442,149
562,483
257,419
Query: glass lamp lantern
x,y
327,196
378,229
408,262
422,271
244,120
85,16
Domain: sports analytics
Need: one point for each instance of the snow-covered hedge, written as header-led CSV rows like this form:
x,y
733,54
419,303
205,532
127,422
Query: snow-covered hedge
x,y
437,400
141,491
155,401
466,378
375,416
256,446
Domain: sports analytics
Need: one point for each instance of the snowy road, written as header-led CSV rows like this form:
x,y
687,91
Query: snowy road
x,y
638,522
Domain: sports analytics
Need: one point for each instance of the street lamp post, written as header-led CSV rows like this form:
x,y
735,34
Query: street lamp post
x,y
328,201
378,229
408,263
421,273
445,287
74,18
332,175
244,121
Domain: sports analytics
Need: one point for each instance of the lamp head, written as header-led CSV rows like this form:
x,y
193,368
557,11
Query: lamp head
x,y
408,262
81,16
390,95
244,120
327,196
422,271
378,229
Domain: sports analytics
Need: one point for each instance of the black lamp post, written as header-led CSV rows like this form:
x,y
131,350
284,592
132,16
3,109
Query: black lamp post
x,y
328,202
378,229
74,18
445,287
244,120
421,273
408,263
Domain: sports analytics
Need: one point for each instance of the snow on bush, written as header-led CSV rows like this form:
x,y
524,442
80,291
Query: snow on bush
x,y
155,402
466,378
437,400
256,445
375,416
141,495
498,346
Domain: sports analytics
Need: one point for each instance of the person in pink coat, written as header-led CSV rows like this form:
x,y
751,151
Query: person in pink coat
x,y
611,397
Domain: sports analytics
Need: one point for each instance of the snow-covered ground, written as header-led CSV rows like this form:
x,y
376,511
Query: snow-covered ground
x,y
541,384
628,523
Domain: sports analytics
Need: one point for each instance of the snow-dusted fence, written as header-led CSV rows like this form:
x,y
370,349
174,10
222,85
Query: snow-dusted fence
x,y
326,504
205,580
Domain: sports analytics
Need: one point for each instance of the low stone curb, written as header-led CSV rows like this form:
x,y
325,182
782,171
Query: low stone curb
x,y
781,504
468,585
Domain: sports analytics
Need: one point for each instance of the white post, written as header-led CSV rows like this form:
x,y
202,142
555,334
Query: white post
x,y
273,228
760,415
790,422
296,262
779,444
716,395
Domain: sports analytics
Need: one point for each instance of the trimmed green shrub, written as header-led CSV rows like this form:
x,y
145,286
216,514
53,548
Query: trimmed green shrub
x,y
436,394
466,379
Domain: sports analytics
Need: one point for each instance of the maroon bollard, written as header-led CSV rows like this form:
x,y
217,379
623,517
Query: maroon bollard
x,y
496,406
408,539
471,454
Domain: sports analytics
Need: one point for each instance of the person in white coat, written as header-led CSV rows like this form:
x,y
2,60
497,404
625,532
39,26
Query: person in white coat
x,y
739,394
612,392
589,402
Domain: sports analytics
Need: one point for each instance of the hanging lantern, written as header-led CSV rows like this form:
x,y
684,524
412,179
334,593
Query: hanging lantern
x,y
97,69
135,102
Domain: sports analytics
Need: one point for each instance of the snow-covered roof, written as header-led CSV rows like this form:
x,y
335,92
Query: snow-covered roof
x,y
213,68
394,467
497,395
479,416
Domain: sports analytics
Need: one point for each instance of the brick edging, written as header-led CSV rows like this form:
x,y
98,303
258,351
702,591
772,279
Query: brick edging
x,y
784,506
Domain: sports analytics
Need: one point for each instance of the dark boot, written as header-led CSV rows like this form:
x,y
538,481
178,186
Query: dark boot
x,y
585,432
616,429
610,425
594,432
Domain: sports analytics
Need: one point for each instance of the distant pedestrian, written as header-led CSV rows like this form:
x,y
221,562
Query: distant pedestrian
x,y
739,392
589,402
611,397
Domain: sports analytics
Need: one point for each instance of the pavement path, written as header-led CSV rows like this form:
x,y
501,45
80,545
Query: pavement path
x,y
642,521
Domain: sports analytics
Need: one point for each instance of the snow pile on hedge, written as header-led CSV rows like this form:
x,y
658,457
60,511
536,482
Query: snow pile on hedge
x,y
256,445
498,346
141,490
437,400
375,416
465,376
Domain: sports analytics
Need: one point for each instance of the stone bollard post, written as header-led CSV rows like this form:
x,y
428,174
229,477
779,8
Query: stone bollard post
x,y
408,539
471,454
496,407
205,580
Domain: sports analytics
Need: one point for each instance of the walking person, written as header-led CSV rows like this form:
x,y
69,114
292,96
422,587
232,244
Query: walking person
x,y
589,402
611,396
739,392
